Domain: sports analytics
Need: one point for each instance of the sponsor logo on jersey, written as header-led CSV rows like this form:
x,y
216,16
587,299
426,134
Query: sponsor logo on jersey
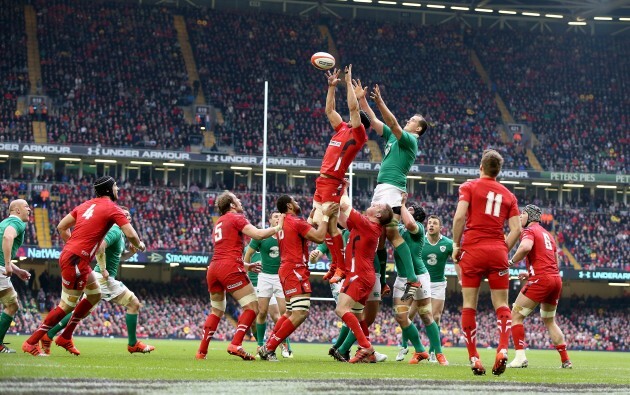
x,y
504,272
335,143
291,291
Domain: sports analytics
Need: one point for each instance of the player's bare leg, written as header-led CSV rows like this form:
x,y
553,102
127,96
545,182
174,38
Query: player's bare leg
x,y
424,309
9,299
246,297
129,300
548,314
92,293
217,309
299,306
437,306
469,328
261,320
504,322
522,307
348,310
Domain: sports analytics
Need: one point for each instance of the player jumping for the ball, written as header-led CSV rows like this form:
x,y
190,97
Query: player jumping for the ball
x,y
342,149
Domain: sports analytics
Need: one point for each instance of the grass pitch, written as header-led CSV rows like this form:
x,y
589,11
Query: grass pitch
x,y
105,366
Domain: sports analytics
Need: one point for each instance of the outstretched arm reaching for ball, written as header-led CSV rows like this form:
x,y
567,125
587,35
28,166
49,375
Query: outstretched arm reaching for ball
x,y
389,118
361,94
333,116
353,104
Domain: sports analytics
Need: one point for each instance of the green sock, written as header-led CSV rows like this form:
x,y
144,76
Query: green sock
x,y
350,339
132,322
413,336
405,257
288,343
52,332
5,323
343,333
260,333
433,332
404,340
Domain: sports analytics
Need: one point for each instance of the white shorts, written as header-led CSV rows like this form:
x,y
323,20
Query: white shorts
x,y
273,301
336,289
387,193
376,290
269,285
110,288
5,282
423,292
438,290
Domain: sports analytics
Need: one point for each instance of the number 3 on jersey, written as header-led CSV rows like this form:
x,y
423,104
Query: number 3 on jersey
x,y
493,200
89,212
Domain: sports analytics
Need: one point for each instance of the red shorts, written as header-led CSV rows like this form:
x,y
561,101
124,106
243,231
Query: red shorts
x,y
485,261
294,280
358,288
226,277
327,190
75,270
545,289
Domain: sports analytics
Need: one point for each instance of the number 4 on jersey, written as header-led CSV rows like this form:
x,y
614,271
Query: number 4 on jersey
x,y
89,212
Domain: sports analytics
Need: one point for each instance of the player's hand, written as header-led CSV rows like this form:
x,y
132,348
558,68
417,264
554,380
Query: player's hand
x,y
281,221
359,90
338,276
457,253
142,247
524,276
313,256
23,275
8,270
410,291
255,267
133,249
332,210
105,275
348,74
386,291
403,202
376,94
333,78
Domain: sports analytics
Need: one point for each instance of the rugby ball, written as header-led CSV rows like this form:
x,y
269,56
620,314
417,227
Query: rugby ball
x,y
323,61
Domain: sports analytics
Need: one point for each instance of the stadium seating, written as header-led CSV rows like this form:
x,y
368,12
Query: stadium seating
x,y
569,88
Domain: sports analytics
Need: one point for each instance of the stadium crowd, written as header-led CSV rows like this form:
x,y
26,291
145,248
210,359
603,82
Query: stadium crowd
x,y
181,219
178,311
117,77
569,89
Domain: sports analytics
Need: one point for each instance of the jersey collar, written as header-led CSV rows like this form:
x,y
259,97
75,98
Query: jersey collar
x,y
429,240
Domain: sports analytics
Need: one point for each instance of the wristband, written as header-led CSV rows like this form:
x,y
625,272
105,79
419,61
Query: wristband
x,y
325,218
510,262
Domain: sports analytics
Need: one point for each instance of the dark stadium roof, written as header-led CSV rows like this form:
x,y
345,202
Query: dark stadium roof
x,y
583,8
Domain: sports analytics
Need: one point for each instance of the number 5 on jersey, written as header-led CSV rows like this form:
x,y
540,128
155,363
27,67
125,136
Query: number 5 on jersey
x,y
218,233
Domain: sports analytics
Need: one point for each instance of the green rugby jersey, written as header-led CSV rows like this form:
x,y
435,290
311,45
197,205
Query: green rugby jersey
x,y
436,255
253,276
398,158
415,243
269,254
19,227
115,240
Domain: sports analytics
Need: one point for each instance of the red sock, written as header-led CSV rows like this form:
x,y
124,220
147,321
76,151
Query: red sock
x,y
365,329
562,349
80,312
278,337
278,324
244,321
352,322
51,320
208,331
337,251
518,336
469,327
504,322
